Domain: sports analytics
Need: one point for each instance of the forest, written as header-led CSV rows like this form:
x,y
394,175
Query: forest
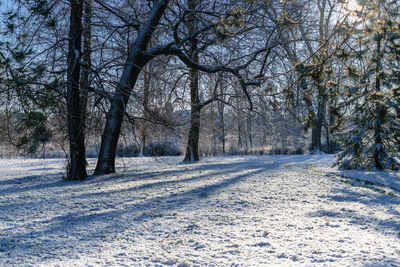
x,y
200,78
218,94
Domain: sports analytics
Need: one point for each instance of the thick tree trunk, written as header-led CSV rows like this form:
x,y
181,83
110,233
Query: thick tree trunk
x,y
192,149
112,130
135,62
87,61
328,139
316,132
330,129
77,160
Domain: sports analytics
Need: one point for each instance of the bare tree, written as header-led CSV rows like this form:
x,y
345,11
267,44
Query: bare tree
x,y
136,61
192,149
77,162
86,62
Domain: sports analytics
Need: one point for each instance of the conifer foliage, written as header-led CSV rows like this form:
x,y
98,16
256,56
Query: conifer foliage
x,y
371,139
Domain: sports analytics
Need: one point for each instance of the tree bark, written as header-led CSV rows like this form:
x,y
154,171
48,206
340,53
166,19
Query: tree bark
x,y
87,61
146,88
221,118
192,149
378,152
77,160
239,126
222,125
316,132
330,129
249,132
135,62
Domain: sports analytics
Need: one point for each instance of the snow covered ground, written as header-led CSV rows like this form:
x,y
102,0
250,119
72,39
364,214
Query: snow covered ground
x,y
223,211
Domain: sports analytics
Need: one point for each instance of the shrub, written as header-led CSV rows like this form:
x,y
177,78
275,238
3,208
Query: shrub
x,y
299,151
162,149
128,151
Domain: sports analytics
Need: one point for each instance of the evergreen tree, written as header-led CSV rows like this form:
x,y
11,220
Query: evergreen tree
x,y
371,140
27,95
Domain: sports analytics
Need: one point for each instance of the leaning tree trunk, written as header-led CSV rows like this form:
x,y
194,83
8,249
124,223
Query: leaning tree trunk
x,y
77,160
133,66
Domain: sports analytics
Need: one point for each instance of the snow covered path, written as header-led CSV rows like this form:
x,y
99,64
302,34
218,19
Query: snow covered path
x,y
223,211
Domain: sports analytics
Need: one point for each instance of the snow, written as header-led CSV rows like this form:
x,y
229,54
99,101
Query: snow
x,y
238,210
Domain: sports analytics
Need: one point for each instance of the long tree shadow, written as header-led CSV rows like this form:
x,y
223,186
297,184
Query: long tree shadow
x,y
19,180
68,223
222,169
48,181
379,178
89,223
29,183
51,182
95,195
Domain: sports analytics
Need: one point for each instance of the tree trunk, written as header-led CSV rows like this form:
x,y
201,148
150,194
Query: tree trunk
x,y
316,132
222,125
328,139
378,152
135,62
239,128
221,120
146,88
77,160
192,149
223,132
249,126
87,61
330,129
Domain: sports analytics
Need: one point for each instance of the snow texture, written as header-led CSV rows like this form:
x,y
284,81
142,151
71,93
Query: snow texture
x,y
223,211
